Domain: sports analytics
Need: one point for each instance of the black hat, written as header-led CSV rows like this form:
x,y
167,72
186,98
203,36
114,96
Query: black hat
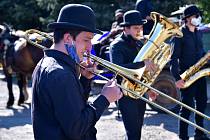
x,y
132,17
145,7
75,16
190,11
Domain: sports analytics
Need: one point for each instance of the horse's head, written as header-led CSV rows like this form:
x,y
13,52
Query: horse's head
x,y
6,34
6,38
3,31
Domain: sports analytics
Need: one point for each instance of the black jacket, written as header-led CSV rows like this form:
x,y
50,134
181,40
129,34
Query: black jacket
x,y
59,108
187,51
123,51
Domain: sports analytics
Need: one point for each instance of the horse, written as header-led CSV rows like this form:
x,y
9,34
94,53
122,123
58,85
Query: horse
x,y
19,57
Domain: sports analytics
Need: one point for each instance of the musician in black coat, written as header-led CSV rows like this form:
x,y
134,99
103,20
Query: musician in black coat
x,y
59,106
187,51
123,51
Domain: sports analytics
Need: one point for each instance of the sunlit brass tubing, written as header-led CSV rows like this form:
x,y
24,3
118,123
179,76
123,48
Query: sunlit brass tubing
x,y
169,97
100,61
194,72
155,104
196,76
31,31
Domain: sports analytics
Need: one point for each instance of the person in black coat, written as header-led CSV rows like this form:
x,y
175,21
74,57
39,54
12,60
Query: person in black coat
x,y
145,7
59,105
123,51
187,51
100,48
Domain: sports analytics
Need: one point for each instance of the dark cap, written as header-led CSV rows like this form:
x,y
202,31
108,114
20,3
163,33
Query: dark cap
x,y
75,16
132,17
190,11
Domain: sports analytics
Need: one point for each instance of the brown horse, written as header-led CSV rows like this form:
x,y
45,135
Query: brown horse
x,y
18,57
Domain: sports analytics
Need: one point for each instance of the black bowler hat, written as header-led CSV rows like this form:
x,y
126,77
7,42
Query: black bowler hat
x,y
75,16
132,17
190,11
145,7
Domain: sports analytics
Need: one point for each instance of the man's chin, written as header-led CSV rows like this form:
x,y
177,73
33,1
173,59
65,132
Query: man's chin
x,y
81,59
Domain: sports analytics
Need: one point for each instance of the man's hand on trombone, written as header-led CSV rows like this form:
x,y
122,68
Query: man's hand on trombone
x,y
88,69
111,91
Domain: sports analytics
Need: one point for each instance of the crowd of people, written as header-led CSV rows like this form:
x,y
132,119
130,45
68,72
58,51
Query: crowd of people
x,y
61,79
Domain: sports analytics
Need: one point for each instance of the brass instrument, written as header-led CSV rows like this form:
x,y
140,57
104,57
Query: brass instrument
x,y
131,74
155,50
41,36
193,73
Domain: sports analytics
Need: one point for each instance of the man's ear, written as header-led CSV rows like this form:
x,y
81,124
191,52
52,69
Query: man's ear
x,y
67,38
126,29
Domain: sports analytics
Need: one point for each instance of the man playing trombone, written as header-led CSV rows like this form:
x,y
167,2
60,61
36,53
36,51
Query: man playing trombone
x,y
187,51
59,105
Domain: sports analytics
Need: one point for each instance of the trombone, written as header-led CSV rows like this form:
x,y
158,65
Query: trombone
x,y
30,32
124,73
130,75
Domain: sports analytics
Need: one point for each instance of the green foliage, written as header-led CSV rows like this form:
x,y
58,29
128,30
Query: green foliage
x,y
104,10
21,14
205,6
165,7
25,14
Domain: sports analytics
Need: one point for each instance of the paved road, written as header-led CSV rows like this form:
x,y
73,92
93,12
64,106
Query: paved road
x,y
15,123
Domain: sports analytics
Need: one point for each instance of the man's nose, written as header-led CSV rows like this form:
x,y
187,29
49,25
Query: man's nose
x,y
89,47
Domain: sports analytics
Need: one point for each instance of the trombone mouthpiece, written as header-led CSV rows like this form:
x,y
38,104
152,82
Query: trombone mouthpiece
x,y
86,54
87,58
